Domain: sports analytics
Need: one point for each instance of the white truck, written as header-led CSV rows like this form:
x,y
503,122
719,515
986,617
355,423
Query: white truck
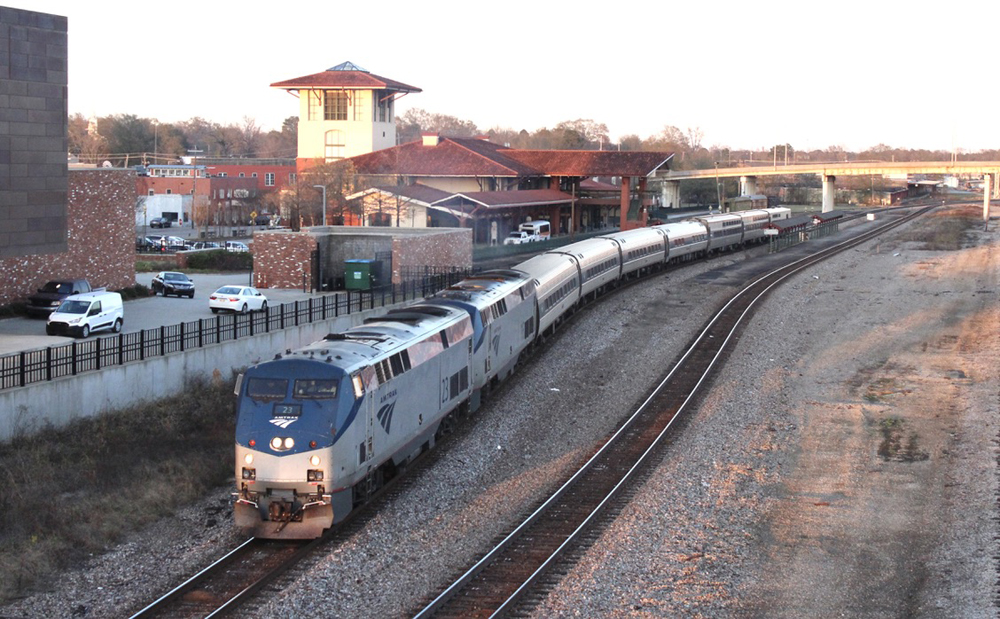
x,y
80,314
529,232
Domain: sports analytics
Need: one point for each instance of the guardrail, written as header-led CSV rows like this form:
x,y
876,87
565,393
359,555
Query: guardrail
x,y
91,355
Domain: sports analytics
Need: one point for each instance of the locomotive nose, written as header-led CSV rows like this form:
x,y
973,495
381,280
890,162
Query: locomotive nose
x,y
280,511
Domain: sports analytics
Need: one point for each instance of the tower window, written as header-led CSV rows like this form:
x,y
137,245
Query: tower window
x,y
335,107
334,145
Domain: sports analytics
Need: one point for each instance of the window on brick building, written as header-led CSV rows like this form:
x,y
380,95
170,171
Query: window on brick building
x,y
269,179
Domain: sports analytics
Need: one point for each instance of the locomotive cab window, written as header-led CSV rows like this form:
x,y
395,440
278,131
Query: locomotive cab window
x,y
267,388
315,389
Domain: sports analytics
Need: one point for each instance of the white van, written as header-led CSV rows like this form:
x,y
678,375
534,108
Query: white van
x,y
80,314
529,232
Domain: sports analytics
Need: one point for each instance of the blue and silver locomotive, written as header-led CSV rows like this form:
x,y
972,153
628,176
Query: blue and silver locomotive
x,y
320,428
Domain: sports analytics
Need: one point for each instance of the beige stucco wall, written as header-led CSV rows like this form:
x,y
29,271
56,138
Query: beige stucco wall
x,y
453,185
360,136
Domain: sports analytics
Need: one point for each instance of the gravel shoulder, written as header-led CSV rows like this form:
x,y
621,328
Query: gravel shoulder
x,y
774,501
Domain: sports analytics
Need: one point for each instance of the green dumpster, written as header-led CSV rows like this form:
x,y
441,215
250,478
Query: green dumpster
x,y
358,274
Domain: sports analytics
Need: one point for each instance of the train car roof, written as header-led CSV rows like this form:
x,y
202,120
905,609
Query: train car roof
x,y
580,248
636,235
379,336
687,226
483,288
717,217
548,266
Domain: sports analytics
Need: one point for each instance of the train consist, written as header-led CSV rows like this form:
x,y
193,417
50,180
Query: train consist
x,y
319,429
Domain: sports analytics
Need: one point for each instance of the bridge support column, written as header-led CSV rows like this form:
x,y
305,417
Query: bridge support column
x,y
748,185
829,193
671,192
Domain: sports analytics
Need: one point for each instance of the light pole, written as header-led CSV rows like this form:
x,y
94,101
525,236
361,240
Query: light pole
x,y
323,189
156,126
718,189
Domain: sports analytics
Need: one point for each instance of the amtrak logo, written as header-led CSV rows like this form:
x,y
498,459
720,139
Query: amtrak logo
x,y
385,416
496,343
283,422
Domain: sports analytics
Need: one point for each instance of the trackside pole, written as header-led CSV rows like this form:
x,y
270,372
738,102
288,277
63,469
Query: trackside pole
x,y
987,188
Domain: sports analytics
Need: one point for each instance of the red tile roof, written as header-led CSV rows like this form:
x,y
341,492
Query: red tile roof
x,y
592,162
502,199
416,192
359,80
450,157
475,157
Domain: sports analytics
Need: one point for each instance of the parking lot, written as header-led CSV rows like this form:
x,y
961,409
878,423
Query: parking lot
x,y
17,334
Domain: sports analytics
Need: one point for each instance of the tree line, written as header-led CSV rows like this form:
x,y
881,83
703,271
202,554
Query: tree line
x,y
126,137
126,140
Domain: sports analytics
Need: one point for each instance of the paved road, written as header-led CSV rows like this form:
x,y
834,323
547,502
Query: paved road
x,y
17,334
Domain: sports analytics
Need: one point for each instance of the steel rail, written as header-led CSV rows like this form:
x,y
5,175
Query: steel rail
x,y
756,290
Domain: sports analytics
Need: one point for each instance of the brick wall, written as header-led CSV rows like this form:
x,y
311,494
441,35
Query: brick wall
x,y
281,259
444,247
33,121
100,238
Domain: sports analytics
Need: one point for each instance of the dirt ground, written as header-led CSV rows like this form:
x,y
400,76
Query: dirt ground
x,y
844,463
887,507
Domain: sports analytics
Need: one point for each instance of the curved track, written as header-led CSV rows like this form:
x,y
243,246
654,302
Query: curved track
x,y
497,583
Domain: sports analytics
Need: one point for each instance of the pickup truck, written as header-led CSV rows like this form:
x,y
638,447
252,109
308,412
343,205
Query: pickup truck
x,y
53,293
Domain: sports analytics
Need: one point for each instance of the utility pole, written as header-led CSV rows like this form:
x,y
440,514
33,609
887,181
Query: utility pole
x,y
194,187
323,189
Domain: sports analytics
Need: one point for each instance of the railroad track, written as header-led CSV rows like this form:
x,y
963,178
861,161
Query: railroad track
x,y
524,555
224,584
516,569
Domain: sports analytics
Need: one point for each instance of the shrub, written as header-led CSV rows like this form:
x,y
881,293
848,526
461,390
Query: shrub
x,y
220,260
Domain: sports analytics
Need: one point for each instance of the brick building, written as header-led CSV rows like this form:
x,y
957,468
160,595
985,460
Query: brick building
x,y
99,238
33,123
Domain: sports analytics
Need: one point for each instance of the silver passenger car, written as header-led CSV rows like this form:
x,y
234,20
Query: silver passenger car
x,y
725,230
685,239
599,260
642,248
557,286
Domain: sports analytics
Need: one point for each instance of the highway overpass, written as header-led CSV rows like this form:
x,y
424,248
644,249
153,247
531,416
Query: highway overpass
x,y
829,171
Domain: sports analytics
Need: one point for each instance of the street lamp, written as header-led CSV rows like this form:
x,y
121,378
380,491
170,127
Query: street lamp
x,y
718,189
323,189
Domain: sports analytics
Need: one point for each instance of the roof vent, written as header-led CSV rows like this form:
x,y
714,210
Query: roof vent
x,y
347,66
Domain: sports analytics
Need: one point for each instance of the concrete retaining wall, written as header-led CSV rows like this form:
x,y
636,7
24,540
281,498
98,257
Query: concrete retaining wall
x,y
57,403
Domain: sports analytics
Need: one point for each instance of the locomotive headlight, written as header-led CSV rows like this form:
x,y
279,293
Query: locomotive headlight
x,y
289,443
276,443
313,461
248,458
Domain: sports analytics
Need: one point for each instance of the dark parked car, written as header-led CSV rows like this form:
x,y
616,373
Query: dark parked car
x,y
159,222
172,282
144,243
262,220
53,293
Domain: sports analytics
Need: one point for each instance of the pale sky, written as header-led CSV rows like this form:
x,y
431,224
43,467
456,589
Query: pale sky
x,y
909,74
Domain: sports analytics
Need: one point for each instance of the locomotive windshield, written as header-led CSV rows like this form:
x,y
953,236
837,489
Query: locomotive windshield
x,y
267,388
315,389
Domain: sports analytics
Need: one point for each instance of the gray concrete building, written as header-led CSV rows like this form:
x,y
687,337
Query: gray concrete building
x,y
33,124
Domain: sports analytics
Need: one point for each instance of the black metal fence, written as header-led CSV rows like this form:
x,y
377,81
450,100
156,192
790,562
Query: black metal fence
x,y
94,354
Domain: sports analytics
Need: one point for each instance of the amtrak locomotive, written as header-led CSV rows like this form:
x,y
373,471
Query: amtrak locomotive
x,y
319,429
